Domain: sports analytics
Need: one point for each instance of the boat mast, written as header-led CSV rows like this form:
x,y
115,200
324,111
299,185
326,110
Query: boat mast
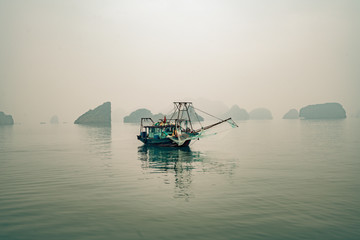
x,y
178,105
180,108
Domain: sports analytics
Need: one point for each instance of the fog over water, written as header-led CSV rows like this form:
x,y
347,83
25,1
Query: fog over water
x,y
65,57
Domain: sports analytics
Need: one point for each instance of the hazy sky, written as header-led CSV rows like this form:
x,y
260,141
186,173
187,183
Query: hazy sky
x,y
65,57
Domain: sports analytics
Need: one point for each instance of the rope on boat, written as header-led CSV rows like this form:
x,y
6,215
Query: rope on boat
x,y
202,132
197,116
207,113
232,123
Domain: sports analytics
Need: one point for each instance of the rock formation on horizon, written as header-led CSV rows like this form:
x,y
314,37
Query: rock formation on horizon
x,y
135,117
260,114
6,119
98,116
291,114
323,111
54,120
237,113
157,117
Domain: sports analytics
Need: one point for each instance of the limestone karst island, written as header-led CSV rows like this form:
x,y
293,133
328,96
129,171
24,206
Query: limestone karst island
x,y
323,111
101,115
291,114
6,119
136,116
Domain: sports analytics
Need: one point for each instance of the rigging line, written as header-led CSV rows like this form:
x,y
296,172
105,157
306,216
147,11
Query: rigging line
x,y
187,111
174,109
197,116
169,112
178,109
208,114
217,132
194,141
182,113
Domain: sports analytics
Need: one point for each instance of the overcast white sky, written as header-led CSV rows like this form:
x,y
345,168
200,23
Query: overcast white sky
x,y
65,57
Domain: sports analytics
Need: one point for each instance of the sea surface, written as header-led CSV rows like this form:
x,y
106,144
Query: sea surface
x,y
277,179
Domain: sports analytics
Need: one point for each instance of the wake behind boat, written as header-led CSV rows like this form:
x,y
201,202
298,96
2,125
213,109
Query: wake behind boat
x,y
178,129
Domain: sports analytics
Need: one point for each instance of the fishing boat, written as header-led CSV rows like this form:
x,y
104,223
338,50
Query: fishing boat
x,y
177,130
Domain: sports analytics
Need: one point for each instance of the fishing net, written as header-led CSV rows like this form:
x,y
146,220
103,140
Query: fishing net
x,y
186,115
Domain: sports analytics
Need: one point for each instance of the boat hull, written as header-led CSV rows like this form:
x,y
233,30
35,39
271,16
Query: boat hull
x,y
164,142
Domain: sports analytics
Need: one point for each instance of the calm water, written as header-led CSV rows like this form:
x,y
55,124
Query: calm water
x,y
280,179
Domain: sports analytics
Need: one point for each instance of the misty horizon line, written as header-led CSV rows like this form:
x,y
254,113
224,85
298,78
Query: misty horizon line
x,y
121,113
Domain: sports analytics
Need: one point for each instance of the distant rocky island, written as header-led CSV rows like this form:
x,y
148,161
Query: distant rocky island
x,y
291,114
135,117
6,119
54,119
237,113
323,111
260,114
101,115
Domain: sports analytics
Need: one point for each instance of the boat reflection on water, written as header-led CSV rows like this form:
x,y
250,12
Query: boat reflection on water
x,y
178,161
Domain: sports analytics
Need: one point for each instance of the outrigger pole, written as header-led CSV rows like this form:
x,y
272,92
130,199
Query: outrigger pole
x,y
215,124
